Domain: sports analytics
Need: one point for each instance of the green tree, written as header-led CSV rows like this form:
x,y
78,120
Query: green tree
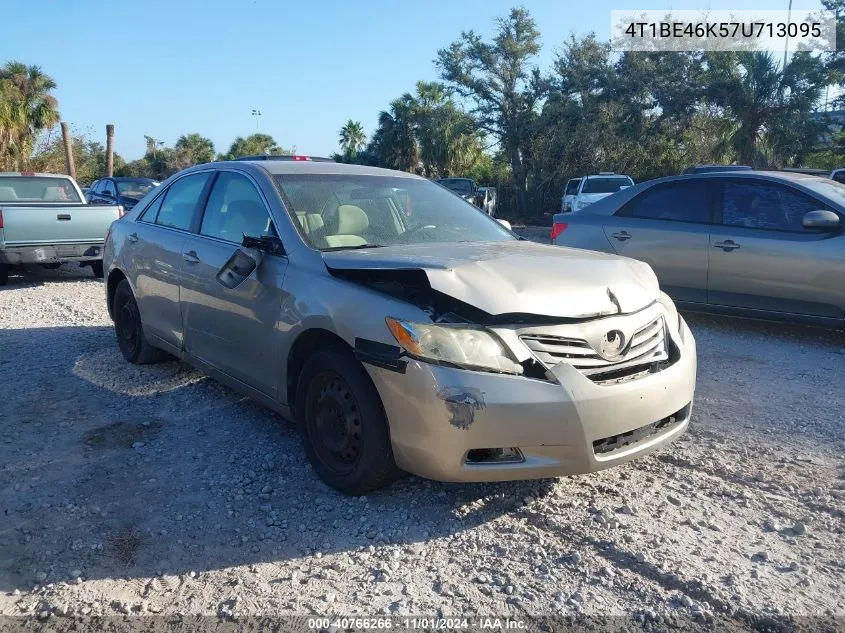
x,y
89,157
352,139
254,144
770,108
501,82
27,108
394,142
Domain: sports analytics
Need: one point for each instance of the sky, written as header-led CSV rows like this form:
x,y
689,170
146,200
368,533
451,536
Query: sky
x,y
167,68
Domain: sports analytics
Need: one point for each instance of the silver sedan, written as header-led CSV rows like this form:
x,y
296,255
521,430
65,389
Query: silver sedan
x,y
760,244
402,327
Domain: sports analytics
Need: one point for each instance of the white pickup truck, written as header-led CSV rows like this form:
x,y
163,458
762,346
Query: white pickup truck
x,y
44,219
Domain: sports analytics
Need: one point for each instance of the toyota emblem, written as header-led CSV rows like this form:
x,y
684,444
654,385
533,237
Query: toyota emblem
x,y
612,345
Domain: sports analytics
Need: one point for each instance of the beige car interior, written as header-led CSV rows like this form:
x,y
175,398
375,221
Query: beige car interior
x,y
352,225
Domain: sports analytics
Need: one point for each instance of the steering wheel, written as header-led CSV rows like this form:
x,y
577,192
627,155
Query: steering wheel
x,y
416,229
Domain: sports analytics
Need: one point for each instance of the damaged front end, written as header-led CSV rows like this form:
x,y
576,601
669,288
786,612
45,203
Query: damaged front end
x,y
457,335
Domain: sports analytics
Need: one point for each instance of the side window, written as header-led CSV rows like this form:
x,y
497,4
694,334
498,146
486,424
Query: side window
x,y
676,202
180,201
839,175
234,209
762,205
149,214
108,188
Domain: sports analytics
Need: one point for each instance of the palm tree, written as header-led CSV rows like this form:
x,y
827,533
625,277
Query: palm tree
x,y
396,136
195,148
765,102
27,107
352,139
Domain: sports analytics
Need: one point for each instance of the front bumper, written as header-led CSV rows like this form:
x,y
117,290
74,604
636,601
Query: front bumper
x,y
437,415
52,253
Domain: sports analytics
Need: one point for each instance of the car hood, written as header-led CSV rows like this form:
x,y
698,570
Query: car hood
x,y
518,277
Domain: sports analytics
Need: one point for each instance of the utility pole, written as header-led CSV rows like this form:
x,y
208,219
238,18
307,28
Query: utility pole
x,y
786,46
110,150
71,168
257,115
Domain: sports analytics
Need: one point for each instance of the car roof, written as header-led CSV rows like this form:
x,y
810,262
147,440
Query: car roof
x,y
308,167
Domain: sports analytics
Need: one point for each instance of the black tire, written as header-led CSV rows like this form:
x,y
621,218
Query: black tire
x,y
51,266
130,333
97,268
343,425
4,274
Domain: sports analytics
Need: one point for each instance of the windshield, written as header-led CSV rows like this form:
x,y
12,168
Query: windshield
x,y
37,189
461,185
605,185
572,187
359,211
135,188
830,189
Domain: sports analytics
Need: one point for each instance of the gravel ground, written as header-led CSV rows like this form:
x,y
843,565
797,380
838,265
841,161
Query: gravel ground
x,y
129,490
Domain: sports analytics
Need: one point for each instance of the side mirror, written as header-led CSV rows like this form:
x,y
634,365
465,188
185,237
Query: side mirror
x,y
822,219
265,244
505,224
239,266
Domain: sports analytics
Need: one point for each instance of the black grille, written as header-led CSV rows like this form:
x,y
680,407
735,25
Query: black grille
x,y
623,440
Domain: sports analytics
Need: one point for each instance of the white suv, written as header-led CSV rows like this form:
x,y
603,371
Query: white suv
x,y
593,188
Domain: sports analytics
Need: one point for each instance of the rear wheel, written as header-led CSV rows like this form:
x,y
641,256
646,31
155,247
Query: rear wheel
x,y
343,425
97,268
4,274
130,333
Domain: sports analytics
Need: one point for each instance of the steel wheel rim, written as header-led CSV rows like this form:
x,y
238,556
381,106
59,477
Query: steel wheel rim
x,y
333,420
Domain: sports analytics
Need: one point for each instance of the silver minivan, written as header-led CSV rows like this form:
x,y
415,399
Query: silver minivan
x,y
402,328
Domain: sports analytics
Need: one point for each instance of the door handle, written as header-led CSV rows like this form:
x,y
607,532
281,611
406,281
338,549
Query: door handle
x,y
622,236
727,245
132,237
63,216
191,257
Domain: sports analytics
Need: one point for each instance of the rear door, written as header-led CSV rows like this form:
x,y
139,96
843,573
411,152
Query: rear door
x,y
762,258
668,227
233,330
156,240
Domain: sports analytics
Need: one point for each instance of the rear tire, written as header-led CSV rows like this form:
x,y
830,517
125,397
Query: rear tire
x,y
97,268
130,333
343,425
4,274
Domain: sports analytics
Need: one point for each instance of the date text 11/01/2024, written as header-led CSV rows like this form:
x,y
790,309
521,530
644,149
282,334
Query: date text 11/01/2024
x,y
415,623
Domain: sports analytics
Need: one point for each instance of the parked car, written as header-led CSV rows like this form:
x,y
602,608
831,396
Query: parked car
x,y
766,244
838,175
120,190
707,169
593,188
464,187
402,329
44,220
488,200
569,194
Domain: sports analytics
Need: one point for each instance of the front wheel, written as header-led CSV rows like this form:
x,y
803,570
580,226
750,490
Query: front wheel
x,y
130,333
343,424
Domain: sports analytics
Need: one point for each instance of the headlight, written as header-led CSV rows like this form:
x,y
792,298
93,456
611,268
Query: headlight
x,y
462,346
674,315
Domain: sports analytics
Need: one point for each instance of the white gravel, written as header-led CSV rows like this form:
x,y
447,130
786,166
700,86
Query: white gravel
x,y
155,490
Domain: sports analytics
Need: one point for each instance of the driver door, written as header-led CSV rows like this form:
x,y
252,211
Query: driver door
x,y
233,330
762,258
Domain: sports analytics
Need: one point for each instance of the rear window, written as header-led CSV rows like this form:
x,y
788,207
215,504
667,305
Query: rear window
x,y
605,185
37,189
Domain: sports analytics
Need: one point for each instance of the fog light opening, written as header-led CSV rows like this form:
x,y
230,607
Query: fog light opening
x,y
510,455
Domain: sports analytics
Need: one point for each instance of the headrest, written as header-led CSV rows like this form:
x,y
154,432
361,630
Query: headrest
x,y
351,220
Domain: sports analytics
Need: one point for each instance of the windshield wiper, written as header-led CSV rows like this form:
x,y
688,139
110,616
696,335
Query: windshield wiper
x,y
355,247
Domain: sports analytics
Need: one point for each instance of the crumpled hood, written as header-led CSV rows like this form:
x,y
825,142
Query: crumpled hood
x,y
518,277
